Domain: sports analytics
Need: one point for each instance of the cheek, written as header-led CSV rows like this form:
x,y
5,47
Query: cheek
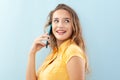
x,y
69,33
70,30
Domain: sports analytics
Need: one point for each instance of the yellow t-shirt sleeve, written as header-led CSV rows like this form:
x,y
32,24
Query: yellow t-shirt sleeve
x,y
71,51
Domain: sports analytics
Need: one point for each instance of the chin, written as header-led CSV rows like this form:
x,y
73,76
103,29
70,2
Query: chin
x,y
62,39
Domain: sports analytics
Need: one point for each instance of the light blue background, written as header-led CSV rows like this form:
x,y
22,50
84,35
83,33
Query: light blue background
x,y
21,21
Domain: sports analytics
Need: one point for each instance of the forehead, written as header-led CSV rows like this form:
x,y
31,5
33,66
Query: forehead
x,y
61,14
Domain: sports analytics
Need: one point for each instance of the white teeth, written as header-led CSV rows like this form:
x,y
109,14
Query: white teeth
x,y
60,32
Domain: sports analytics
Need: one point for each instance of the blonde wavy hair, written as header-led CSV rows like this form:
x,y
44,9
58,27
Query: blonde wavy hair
x,y
76,27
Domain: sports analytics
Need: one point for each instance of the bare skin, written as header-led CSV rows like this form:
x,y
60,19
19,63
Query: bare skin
x,y
62,29
76,68
37,45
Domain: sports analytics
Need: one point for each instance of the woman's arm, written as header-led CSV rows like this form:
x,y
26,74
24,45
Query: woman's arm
x,y
76,68
31,71
37,45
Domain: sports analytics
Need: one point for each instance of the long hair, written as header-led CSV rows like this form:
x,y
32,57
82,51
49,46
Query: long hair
x,y
76,27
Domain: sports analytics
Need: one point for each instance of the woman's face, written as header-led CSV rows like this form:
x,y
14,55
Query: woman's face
x,y
61,25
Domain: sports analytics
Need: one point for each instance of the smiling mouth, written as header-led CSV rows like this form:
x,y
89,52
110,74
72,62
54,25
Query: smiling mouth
x,y
61,32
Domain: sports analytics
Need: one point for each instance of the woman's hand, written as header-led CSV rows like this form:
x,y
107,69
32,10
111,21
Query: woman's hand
x,y
37,45
39,42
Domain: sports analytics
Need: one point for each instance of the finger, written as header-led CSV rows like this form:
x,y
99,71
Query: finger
x,y
41,38
40,43
49,41
45,35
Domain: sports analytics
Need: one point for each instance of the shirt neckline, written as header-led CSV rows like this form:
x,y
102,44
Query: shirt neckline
x,y
64,45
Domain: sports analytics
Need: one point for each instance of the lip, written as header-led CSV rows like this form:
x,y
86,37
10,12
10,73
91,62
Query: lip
x,y
60,32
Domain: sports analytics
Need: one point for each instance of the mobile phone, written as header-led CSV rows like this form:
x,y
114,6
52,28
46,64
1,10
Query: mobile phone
x,y
49,32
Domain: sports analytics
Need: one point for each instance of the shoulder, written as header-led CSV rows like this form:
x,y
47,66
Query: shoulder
x,y
73,50
75,61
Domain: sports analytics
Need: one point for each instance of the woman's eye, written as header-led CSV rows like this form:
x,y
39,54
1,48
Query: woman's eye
x,y
56,21
67,21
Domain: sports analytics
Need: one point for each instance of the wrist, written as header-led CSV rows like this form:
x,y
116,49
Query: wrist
x,y
32,52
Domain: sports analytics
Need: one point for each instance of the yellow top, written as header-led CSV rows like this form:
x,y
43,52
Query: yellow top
x,y
54,67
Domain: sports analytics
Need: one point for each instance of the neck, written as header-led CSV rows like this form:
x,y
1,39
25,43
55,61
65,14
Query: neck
x,y
59,42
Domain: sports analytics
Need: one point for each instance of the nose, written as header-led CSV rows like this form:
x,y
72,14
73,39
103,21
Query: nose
x,y
60,24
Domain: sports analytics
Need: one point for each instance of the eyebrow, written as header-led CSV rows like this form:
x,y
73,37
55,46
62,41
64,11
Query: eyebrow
x,y
63,18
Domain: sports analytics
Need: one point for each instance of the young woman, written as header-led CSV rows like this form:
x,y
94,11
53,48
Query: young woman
x,y
67,60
